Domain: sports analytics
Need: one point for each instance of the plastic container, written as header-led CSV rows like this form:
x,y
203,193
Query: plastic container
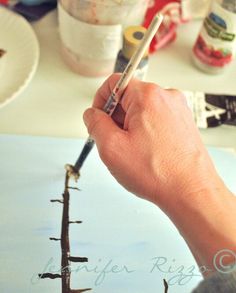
x,y
215,46
91,32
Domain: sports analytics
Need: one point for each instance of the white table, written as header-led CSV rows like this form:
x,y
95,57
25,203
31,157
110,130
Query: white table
x,y
53,103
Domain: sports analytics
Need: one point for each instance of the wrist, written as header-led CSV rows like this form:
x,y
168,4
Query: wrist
x,y
207,221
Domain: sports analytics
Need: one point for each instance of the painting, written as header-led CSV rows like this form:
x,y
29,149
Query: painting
x,y
113,242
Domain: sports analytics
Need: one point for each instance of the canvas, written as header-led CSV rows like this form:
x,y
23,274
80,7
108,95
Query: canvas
x,y
130,244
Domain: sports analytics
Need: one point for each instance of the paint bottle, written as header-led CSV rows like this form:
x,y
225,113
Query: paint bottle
x,y
131,38
91,32
215,46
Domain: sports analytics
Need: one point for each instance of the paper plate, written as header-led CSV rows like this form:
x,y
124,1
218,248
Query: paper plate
x,y
18,65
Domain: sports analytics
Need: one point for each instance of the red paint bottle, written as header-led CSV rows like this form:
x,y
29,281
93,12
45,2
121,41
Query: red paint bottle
x,y
215,46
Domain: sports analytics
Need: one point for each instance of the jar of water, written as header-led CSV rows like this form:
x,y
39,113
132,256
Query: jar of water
x,y
91,32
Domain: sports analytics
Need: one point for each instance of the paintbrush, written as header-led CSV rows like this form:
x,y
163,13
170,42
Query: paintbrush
x,y
118,90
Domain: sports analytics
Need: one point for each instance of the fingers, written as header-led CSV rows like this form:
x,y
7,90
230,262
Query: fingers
x,y
104,131
139,95
105,90
102,96
132,91
119,116
136,92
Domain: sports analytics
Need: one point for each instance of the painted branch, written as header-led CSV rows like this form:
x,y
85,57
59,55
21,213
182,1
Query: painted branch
x,y
78,259
54,239
56,200
49,276
80,290
76,188
65,244
166,285
75,222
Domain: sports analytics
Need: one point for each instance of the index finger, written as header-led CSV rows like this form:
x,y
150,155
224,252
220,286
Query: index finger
x,y
105,90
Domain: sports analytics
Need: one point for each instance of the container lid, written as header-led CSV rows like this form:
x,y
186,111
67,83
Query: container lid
x,y
131,39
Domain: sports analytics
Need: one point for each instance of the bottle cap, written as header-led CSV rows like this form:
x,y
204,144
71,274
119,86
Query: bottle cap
x,y
131,39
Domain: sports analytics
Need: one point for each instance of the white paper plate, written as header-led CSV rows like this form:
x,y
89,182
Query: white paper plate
x,y
18,65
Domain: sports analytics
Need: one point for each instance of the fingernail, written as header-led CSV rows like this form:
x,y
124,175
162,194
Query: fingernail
x,y
87,116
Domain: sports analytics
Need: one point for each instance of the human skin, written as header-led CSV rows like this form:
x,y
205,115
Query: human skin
x,y
153,148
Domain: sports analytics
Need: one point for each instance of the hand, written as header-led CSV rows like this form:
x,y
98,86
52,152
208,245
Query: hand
x,y
153,148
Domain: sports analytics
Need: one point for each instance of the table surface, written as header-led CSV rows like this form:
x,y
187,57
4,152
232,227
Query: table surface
x,y
54,101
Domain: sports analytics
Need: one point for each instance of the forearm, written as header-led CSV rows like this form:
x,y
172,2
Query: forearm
x,y
157,154
207,221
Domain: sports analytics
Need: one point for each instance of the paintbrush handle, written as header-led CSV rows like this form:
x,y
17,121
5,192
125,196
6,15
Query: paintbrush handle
x,y
128,73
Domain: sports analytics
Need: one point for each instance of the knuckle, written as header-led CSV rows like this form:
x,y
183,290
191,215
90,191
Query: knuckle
x,y
152,88
152,91
149,92
173,91
177,94
149,89
140,94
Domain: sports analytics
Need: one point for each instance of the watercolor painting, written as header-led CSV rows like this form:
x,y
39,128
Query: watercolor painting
x,y
117,242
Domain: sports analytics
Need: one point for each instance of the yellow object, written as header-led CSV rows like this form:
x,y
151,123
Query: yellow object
x,y
131,39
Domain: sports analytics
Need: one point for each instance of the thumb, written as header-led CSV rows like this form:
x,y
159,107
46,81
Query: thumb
x,y
102,128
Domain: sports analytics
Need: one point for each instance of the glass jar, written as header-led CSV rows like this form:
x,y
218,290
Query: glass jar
x,y
91,32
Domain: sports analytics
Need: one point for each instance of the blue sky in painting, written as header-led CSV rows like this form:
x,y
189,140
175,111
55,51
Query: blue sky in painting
x,y
118,228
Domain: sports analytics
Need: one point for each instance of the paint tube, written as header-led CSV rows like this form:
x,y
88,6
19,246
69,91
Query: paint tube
x,y
211,110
